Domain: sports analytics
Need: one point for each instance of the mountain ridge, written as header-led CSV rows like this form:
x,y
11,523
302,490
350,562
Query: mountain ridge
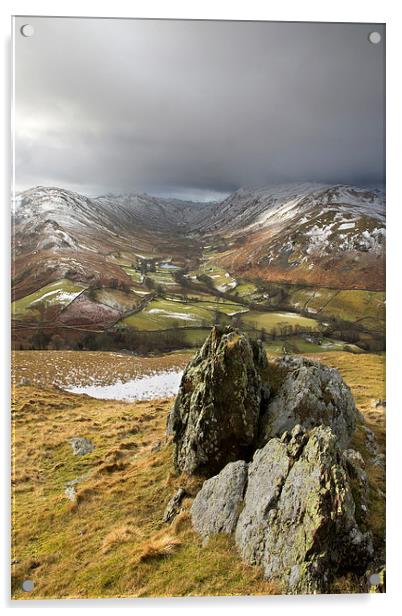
x,y
311,233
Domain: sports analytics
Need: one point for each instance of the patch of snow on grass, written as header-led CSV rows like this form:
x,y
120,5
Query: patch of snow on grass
x,y
57,296
158,385
173,315
347,225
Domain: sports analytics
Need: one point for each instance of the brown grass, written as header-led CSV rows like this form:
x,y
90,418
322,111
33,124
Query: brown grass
x,y
159,547
117,536
112,541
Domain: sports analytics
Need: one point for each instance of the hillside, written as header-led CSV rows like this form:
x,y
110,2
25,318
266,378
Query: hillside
x,y
142,263
325,235
93,548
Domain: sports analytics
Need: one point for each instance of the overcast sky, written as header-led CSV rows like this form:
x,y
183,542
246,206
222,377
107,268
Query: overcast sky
x,y
196,109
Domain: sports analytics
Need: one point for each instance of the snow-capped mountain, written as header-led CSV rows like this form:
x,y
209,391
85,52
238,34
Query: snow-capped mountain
x,y
278,204
305,233
58,217
58,233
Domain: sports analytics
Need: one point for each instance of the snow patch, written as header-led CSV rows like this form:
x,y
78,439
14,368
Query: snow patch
x,y
157,385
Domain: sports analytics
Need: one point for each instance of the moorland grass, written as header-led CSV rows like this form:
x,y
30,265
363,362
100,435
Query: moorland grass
x,y
112,542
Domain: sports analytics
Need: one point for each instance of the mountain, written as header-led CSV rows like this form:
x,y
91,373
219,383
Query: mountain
x,y
61,234
298,233
304,233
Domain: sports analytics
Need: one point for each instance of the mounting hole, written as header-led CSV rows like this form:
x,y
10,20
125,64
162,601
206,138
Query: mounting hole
x,y
27,30
374,579
27,585
374,37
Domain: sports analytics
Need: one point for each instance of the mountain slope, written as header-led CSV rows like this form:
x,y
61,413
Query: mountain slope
x,y
324,235
298,233
61,234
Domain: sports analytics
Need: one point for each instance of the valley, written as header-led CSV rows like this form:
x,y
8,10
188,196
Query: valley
x,y
111,299
143,274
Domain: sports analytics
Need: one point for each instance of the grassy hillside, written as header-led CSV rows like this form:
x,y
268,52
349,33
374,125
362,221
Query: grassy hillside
x,y
58,294
112,541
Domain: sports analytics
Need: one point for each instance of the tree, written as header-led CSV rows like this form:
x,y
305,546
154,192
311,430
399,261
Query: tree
x,y
217,317
149,283
91,292
40,340
206,280
57,342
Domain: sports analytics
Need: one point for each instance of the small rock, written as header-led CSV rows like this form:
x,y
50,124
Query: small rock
x,y
23,382
377,458
217,506
70,490
173,506
378,403
81,446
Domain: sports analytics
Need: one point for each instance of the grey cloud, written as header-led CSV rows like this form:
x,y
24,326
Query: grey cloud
x,y
196,108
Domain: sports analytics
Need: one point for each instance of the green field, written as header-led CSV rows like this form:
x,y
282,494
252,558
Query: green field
x,y
298,344
221,279
134,275
59,293
275,320
162,277
117,299
348,305
246,290
168,314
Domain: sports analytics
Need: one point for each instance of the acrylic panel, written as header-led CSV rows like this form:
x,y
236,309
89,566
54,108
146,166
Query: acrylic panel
x,y
198,308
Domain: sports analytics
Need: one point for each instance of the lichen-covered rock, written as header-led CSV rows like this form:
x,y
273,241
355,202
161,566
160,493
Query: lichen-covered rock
x,y
81,446
356,468
308,393
298,520
215,415
216,507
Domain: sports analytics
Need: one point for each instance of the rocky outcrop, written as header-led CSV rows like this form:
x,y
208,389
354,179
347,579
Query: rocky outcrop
x,y
216,414
275,436
308,393
232,401
216,508
298,516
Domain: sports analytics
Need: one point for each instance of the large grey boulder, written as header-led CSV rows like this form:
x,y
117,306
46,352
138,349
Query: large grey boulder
x,y
299,517
216,413
308,393
216,508
295,510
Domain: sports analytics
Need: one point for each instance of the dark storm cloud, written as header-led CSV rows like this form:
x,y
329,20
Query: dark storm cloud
x,y
196,108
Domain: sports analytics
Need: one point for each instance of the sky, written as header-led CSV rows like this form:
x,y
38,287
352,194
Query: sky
x,y
196,110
